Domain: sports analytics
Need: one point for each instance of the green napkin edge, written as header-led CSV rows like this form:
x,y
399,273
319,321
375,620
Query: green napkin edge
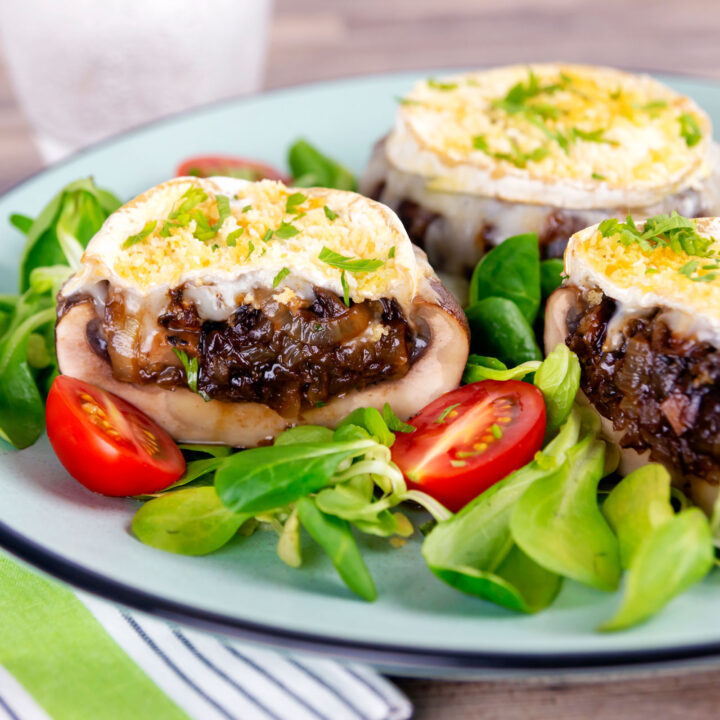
x,y
56,649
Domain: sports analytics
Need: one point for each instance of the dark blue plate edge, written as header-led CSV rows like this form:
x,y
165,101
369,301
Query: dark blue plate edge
x,y
388,656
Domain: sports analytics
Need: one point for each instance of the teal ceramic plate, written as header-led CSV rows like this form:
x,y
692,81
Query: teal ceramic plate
x,y
418,624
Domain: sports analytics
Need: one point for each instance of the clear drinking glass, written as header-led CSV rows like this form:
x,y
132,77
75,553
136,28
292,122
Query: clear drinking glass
x,y
85,69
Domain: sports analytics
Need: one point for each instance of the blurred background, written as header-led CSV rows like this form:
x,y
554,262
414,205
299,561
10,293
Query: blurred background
x,y
158,66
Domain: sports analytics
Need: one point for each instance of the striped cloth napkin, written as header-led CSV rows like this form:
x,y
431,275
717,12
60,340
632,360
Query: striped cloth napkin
x,y
65,655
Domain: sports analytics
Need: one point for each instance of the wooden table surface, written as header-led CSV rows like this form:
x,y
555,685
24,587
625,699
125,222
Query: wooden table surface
x,y
317,39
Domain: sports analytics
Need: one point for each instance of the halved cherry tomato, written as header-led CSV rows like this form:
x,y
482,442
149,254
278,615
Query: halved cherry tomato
x,y
227,165
107,444
469,438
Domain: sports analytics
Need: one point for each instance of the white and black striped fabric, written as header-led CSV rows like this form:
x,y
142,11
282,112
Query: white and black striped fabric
x,y
213,679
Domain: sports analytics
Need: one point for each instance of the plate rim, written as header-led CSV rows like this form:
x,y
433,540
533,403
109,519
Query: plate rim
x,y
385,654
398,657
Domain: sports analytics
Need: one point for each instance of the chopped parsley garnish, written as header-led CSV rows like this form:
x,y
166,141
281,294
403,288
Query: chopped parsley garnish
x,y
294,201
517,157
443,415
251,248
267,236
180,215
440,85
191,372
690,129
407,101
280,276
329,214
345,288
139,237
523,99
247,208
286,230
653,107
203,229
596,136
391,253
651,271
689,268
598,176
231,239
330,257
480,143
673,231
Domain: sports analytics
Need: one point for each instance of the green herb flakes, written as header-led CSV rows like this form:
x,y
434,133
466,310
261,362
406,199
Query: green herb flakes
x,y
231,239
391,253
690,129
191,372
280,276
139,237
440,85
346,288
341,262
444,414
268,235
286,230
294,201
329,214
672,231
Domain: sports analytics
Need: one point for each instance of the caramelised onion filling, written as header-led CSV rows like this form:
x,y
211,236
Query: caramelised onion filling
x,y
660,388
288,356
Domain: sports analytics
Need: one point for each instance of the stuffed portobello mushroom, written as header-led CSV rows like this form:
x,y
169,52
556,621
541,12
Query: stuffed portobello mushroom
x,y
230,310
640,307
475,158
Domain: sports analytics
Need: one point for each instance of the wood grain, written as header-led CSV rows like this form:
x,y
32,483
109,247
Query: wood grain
x,y
319,39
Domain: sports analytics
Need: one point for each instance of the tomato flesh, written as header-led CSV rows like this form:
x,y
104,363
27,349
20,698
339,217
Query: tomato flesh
x,y
469,438
229,166
106,443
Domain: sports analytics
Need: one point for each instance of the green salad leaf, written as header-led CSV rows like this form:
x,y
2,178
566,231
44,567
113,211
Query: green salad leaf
x,y
394,423
674,556
483,368
511,270
335,537
310,167
22,412
64,227
191,521
558,378
499,329
638,505
266,478
371,420
550,276
664,553
557,521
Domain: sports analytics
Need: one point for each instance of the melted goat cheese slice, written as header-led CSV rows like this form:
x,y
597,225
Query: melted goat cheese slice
x,y
263,242
566,135
640,280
